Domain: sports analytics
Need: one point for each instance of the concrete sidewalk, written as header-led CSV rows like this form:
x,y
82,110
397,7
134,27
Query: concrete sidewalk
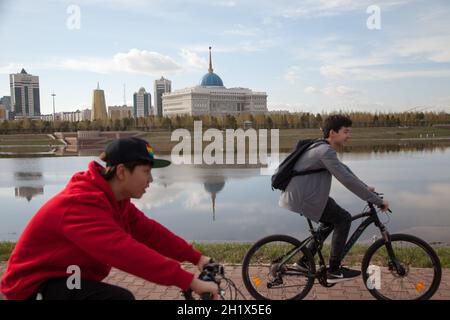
x,y
349,290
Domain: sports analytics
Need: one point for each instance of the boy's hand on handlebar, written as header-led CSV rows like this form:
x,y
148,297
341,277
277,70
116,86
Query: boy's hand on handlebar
x,y
200,286
204,260
385,206
372,189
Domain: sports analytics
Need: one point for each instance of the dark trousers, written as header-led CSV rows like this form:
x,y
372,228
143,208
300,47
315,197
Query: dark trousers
x,y
56,289
337,219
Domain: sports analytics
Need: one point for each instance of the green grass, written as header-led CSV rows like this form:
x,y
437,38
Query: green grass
x,y
233,253
6,248
28,139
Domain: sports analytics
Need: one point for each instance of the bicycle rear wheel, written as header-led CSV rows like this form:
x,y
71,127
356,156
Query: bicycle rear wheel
x,y
265,275
415,275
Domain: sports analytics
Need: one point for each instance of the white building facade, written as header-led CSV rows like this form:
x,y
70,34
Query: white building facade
x,y
211,97
201,100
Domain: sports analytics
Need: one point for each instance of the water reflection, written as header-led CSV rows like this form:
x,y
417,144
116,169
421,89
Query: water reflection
x,y
236,203
395,147
213,185
29,185
28,192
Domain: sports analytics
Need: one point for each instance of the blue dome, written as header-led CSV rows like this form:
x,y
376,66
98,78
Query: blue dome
x,y
211,80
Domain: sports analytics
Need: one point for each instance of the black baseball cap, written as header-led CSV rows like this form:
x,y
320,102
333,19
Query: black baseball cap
x,y
131,149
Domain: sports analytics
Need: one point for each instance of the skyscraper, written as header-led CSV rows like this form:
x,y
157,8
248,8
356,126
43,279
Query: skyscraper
x,y
6,102
141,103
25,101
161,86
98,105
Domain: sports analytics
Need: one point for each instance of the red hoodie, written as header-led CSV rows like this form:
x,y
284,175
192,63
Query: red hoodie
x,y
84,225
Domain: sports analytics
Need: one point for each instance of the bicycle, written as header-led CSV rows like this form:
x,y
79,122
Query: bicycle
x,y
393,267
214,272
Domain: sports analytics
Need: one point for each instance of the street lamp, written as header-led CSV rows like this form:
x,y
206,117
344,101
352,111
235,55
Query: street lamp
x,y
53,95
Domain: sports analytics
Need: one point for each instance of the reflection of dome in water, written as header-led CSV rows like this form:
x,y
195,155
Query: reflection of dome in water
x,y
213,185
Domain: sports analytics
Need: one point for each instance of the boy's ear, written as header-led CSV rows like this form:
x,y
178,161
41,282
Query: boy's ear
x,y
120,171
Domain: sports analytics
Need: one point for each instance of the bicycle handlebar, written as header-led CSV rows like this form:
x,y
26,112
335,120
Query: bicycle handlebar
x,y
209,273
381,196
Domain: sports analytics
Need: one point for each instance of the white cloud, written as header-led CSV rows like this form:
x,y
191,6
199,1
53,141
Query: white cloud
x,y
192,59
292,75
432,48
249,45
389,74
332,71
311,90
340,91
324,8
11,68
223,3
134,61
241,30
333,91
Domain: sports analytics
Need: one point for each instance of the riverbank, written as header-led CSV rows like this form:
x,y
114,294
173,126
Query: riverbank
x,y
359,137
233,253
161,140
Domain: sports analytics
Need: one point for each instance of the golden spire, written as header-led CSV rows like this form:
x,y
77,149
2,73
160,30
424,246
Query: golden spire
x,y
210,70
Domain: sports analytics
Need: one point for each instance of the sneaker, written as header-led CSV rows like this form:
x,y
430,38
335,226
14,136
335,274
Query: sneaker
x,y
301,265
341,274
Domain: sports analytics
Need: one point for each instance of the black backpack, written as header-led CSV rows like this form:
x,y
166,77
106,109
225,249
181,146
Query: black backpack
x,y
285,171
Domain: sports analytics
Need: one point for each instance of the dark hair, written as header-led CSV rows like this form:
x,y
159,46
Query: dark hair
x,y
335,122
110,171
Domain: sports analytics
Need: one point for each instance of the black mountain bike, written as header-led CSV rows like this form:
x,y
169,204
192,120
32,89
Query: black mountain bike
x,y
397,266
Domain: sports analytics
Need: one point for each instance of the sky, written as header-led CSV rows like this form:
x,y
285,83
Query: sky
x,y
307,55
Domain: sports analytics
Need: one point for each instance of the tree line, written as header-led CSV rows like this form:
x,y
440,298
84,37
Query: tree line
x,y
299,120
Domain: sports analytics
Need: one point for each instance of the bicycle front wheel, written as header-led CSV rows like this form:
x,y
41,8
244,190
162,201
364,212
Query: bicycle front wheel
x,y
411,271
269,273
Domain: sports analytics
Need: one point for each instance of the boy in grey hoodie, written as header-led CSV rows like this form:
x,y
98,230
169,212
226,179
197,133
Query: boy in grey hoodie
x,y
309,194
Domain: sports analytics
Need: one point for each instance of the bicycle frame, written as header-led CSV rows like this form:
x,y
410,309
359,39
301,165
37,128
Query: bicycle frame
x,y
372,217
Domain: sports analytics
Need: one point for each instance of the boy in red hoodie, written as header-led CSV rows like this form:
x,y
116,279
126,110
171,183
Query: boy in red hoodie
x,y
92,225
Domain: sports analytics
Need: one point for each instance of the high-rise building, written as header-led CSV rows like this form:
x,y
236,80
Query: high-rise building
x,y
3,113
120,112
161,86
141,103
6,102
25,101
98,105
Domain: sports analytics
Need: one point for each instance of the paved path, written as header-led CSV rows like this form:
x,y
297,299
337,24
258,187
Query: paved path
x,y
349,290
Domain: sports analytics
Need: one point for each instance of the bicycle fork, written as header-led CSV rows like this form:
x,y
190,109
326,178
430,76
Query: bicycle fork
x,y
393,262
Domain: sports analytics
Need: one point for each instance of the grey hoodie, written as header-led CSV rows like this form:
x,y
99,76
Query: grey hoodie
x,y
308,194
